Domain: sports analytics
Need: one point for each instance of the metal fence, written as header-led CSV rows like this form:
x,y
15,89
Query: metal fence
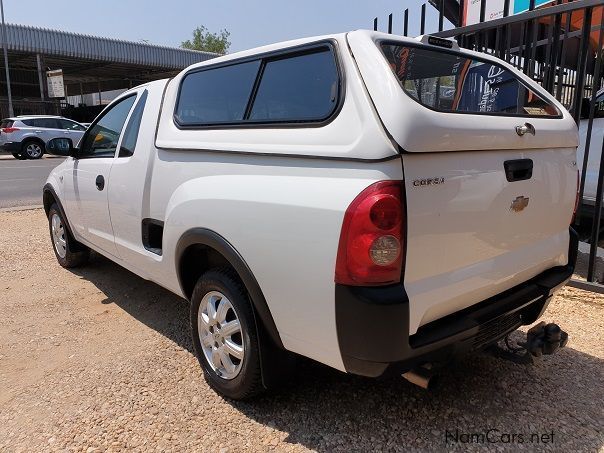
x,y
559,47
30,107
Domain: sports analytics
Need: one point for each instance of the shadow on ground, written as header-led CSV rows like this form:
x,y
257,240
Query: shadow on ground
x,y
326,410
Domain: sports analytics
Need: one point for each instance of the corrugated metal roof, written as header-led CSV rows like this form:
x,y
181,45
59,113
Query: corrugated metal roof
x,y
24,38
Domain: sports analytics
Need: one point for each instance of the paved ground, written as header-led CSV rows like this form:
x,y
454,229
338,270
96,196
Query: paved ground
x,y
21,181
99,360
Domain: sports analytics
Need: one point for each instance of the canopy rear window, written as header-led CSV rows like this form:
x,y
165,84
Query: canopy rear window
x,y
451,82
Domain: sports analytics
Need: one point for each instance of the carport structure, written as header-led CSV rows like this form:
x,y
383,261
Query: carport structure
x,y
90,64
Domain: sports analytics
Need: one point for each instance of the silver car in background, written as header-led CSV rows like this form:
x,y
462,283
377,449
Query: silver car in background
x,y
26,136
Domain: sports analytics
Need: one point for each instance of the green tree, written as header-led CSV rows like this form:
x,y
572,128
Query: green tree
x,y
208,41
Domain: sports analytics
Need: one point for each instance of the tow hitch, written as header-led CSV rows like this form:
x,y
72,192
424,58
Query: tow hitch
x,y
541,339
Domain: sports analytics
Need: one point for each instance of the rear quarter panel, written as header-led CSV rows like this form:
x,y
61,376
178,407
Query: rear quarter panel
x,y
283,216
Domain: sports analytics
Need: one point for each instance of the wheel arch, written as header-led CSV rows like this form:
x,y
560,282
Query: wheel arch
x,y
33,138
208,248
49,196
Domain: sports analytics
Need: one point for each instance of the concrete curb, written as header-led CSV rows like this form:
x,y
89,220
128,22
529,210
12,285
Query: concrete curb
x,y
21,208
10,157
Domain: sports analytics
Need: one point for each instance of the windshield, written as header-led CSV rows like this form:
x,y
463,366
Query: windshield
x,y
451,82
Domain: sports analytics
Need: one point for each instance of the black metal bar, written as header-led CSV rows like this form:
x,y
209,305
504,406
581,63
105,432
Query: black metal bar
x,y
508,42
406,23
498,49
423,20
483,8
533,52
531,5
506,8
554,54
527,46
536,14
390,23
441,15
581,65
596,85
521,46
548,66
595,225
587,286
375,24
561,71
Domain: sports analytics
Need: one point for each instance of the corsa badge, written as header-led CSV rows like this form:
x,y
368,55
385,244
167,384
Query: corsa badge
x,y
519,203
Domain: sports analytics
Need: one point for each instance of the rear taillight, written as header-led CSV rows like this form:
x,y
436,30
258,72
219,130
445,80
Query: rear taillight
x,y
8,130
371,241
576,199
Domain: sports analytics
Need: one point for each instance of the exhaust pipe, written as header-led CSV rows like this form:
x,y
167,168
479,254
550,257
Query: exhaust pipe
x,y
422,377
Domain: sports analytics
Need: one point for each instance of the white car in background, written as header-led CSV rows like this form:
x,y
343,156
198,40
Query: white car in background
x,y
26,136
595,151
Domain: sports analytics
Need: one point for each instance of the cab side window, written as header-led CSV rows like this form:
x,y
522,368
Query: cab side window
x,y
134,125
102,137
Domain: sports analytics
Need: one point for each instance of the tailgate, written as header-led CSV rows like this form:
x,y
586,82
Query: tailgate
x,y
488,206
475,234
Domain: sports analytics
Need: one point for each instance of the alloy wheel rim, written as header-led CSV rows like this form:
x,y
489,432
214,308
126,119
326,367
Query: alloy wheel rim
x,y
33,150
220,335
58,235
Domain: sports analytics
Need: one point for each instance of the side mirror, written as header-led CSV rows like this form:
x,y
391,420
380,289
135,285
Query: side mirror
x,y
60,147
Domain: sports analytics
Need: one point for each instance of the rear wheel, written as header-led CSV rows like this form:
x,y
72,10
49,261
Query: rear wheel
x,y
225,336
68,251
32,149
19,156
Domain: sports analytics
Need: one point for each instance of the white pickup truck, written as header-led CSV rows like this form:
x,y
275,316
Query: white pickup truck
x,y
327,197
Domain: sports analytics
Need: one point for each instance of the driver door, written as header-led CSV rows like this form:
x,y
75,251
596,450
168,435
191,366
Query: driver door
x,y
90,175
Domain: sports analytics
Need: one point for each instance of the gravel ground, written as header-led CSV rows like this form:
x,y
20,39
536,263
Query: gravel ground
x,y
100,360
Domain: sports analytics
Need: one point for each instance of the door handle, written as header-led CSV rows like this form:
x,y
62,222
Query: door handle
x,y
100,182
526,128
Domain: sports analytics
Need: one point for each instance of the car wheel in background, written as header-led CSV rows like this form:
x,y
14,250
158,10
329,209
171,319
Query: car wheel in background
x,y
69,252
224,335
32,149
19,156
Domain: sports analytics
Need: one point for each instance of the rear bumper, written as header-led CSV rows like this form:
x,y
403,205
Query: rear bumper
x,y
373,322
10,147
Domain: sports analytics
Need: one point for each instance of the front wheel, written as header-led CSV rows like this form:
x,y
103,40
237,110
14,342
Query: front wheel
x,y
225,336
68,251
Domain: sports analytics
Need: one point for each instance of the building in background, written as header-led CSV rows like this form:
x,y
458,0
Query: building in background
x,y
93,70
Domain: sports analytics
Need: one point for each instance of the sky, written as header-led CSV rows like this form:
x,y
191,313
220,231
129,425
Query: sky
x,y
251,23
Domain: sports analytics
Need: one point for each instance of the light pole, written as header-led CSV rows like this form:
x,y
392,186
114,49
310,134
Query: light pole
x,y
5,47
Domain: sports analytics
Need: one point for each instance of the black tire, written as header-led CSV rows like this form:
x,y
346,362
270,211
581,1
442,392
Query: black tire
x,y
19,156
32,149
75,253
248,382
